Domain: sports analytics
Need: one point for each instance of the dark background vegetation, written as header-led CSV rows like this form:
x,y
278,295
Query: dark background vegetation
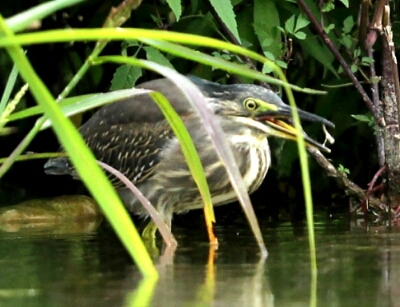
x,y
309,64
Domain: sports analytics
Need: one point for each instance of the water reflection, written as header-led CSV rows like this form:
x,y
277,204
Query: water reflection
x,y
358,266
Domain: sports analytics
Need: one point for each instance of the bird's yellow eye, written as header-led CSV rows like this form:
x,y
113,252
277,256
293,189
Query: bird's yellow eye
x,y
251,104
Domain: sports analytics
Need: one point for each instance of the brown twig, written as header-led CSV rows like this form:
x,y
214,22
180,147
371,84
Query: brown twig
x,y
368,31
375,26
342,62
376,101
363,22
350,188
373,181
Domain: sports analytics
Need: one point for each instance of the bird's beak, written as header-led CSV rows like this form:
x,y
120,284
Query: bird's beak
x,y
274,119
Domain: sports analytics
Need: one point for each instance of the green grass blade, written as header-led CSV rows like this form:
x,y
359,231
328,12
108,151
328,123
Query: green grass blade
x,y
240,69
84,162
95,101
126,34
188,148
305,174
38,110
23,20
9,87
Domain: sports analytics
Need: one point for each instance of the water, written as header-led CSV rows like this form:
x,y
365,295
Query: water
x,y
357,266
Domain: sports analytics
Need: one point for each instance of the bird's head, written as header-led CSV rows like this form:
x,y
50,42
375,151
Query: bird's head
x,y
257,107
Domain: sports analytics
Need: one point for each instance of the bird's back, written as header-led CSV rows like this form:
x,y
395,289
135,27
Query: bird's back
x,y
129,134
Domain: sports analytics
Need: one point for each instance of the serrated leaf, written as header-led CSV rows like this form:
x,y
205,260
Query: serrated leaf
x,y
345,3
125,77
154,55
289,24
301,22
224,10
176,8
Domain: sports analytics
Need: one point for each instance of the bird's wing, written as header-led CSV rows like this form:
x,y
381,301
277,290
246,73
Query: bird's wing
x,y
134,150
130,134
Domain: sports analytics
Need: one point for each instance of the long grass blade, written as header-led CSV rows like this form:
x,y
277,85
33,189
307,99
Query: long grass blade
x,y
52,36
9,87
23,20
84,161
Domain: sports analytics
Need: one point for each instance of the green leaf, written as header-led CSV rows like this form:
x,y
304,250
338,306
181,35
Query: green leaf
x,y
224,56
282,64
154,55
281,29
345,3
300,35
320,52
267,42
266,69
346,41
348,24
269,56
366,61
329,6
176,7
224,10
266,21
354,68
130,43
343,169
125,77
362,118
329,27
301,23
289,24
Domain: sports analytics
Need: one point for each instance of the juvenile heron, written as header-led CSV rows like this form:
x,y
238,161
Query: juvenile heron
x,y
133,136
